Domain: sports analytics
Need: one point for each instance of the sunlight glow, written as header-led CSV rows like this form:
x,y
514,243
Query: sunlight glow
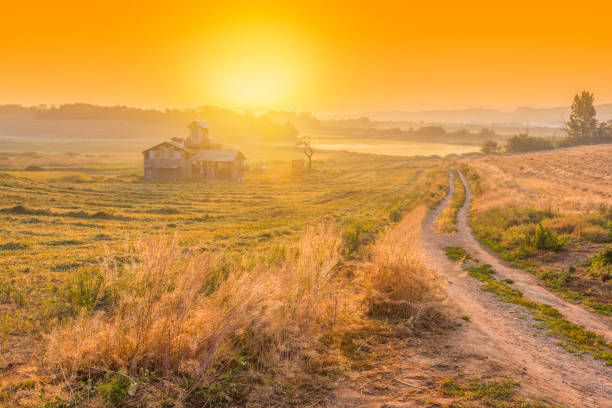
x,y
255,65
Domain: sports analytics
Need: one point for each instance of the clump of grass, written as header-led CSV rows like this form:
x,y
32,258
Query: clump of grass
x,y
544,239
447,221
493,393
397,282
457,254
357,233
600,265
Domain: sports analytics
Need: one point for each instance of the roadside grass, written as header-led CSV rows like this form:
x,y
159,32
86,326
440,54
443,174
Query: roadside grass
x,y
447,221
502,393
573,337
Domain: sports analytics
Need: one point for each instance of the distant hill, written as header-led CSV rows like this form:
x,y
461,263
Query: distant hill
x,y
520,116
87,122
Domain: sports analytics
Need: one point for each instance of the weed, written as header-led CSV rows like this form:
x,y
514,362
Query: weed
x,y
457,254
544,239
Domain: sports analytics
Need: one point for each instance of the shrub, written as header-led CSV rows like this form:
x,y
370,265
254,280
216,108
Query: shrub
x,y
524,143
544,239
600,265
490,147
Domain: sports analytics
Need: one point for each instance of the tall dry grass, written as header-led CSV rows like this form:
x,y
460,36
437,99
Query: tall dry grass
x,y
192,315
194,320
397,282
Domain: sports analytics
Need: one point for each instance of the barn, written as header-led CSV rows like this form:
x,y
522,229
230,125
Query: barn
x,y
193,158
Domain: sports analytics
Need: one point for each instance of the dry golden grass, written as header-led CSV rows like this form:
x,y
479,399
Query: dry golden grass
x,y
397,281
196,329
575,179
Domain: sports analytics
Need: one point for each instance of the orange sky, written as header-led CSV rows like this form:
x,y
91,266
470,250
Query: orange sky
x,y
317,55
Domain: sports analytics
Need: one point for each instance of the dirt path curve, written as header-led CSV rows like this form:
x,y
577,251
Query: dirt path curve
x,y
504,334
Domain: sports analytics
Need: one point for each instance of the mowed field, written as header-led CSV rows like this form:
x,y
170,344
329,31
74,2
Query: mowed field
x,y
57,226
551,214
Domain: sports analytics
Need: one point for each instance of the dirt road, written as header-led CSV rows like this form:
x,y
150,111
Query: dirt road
x,y
505,334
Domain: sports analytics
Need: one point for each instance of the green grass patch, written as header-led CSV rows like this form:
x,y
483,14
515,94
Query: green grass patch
x,y
447,221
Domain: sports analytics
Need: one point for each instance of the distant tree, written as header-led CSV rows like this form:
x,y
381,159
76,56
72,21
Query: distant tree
x,y
604,132
582,124
525,143
305,141
490,147
485,133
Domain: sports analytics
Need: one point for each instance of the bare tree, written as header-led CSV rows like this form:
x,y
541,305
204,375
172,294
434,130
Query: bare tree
x,y
305,141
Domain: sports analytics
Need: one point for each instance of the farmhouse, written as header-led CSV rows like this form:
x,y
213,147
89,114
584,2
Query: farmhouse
x,y
193,158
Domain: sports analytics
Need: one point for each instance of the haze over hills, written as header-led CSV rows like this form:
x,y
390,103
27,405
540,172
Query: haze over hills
x,y
555,116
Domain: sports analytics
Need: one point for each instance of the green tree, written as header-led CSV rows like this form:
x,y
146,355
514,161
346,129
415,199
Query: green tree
x,y
582,125
490,147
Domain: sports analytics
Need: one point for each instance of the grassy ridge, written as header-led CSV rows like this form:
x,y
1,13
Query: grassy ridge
x,y
447,221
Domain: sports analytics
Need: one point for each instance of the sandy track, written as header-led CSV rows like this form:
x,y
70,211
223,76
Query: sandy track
x,y
504,334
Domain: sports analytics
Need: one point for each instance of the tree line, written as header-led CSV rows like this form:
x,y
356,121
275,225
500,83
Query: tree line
x,y
582,128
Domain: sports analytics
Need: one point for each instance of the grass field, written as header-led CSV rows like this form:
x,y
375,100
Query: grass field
x,y
551,214
67,220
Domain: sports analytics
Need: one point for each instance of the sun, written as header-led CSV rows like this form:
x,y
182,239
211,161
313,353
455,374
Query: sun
x,y
257,65
253,80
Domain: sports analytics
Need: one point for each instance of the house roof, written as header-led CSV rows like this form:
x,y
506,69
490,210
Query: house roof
x,y
170,142
199,123
217,155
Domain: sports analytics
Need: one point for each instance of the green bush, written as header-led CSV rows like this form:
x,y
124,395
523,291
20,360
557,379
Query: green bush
x,y
544,239
600,265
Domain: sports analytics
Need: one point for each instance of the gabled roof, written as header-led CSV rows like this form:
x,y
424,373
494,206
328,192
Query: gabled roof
x,y
217,155
170,142
199,123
